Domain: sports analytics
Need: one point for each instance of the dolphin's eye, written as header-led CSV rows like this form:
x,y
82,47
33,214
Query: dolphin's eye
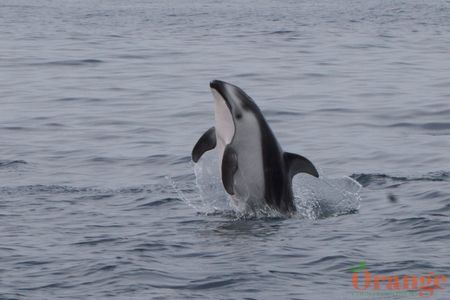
x,y
238,115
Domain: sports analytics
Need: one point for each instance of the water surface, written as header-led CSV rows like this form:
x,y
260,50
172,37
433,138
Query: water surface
x,y
102,101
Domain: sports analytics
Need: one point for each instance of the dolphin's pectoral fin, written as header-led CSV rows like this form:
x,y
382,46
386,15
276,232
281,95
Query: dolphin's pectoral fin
x,y
299,164
229,168
206,142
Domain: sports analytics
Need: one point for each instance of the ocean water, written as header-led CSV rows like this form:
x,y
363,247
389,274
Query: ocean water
x,y
102,101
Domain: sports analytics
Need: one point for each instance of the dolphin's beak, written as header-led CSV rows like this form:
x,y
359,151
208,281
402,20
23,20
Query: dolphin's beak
x,y
219,87
233,96
216,84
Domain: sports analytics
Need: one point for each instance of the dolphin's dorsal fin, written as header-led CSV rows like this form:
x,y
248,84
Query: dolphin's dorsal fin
x,y
206,142
298,164
229,168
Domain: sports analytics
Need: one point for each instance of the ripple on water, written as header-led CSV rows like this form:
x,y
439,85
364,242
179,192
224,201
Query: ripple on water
x,y
158,202
426,126
71,62
93,241
11,163
424,229
81,99
95,192
377,179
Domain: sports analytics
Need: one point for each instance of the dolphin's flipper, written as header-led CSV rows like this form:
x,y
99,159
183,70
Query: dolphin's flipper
x,y
206,142
229,168
299,164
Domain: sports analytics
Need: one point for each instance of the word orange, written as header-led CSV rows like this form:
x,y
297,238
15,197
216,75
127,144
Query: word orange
x,y
424,284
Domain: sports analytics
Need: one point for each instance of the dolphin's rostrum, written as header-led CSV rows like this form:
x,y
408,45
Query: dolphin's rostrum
x,y
254,169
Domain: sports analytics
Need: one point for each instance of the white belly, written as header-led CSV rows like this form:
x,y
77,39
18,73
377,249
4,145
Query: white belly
x,y
249,179
246,141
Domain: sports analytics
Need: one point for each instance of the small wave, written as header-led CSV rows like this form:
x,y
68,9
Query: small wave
x,y
45,286
158,202
92,192
411,221
211,284
16,128
96,197
72,62
55,125
419,113
86,99
424,229
443,211
11,163
205,284
182,160
187,14
133,56
270,113
156,158
377,179
364,46
103,159
144,247
100,268
115,36
244,75
30,263
96,241
426,126
281,32
35,189
315,75
328,263
187,114
335,109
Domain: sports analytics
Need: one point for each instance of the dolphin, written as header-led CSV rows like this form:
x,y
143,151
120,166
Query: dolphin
x,y
255,171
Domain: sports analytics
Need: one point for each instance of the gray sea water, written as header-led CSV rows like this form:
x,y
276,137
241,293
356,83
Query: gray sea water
x,y
102,101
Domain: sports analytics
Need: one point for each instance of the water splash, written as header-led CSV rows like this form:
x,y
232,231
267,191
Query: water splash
x,y
211,191
325,197
314,197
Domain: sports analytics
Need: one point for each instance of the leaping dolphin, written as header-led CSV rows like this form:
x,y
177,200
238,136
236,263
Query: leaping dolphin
x,y
255,171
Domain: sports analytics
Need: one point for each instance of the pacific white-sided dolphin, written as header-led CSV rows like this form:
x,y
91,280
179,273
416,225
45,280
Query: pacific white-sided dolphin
x,y
255,171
